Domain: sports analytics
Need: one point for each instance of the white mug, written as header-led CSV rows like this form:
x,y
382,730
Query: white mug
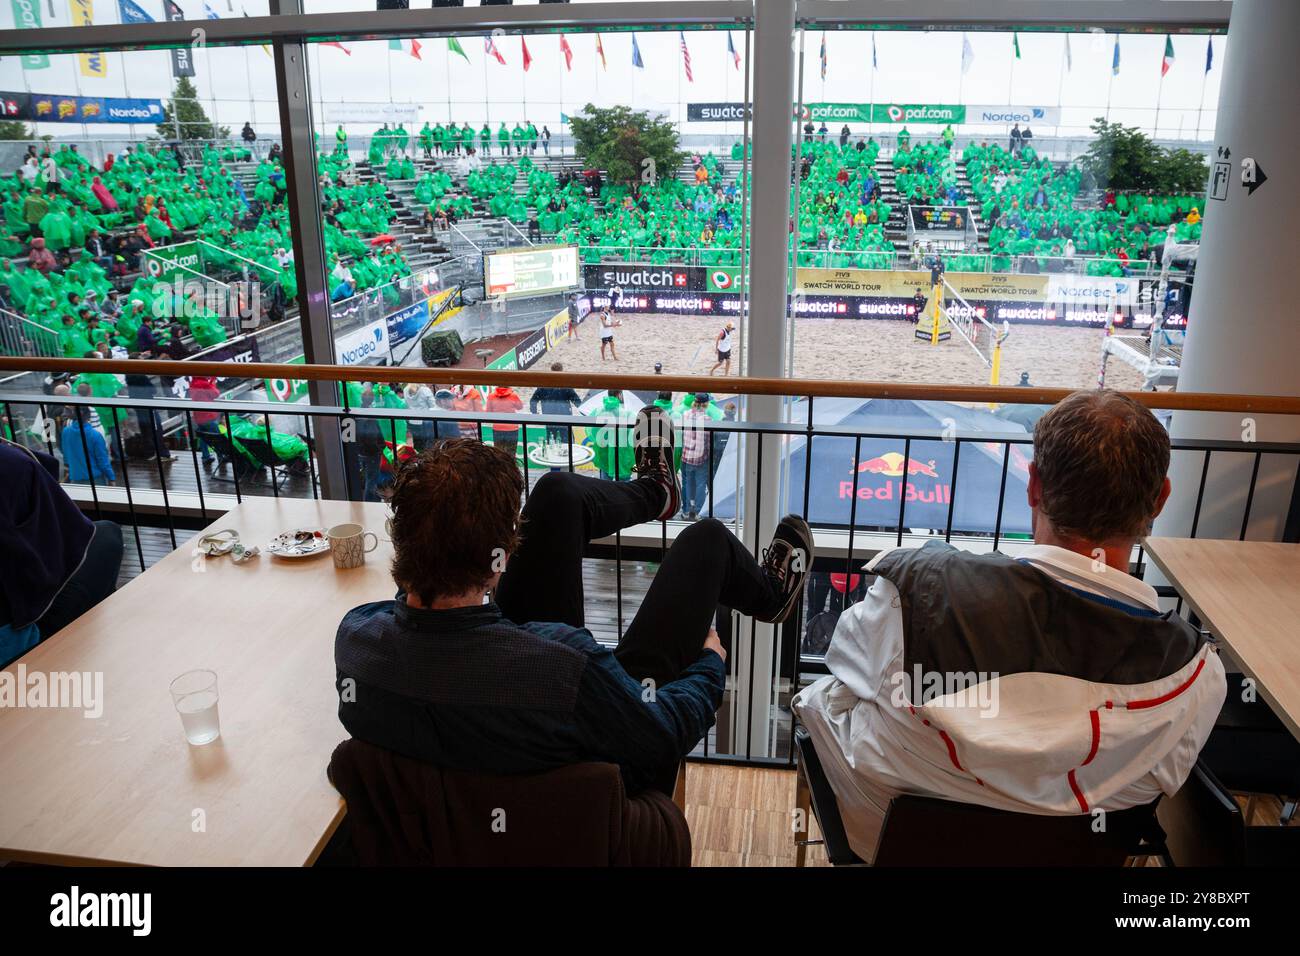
x,y
348,545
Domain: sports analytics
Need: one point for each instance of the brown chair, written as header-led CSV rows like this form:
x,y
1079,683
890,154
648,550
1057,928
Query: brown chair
x,y
403,812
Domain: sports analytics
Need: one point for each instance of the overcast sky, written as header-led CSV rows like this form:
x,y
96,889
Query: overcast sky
x,y
912,67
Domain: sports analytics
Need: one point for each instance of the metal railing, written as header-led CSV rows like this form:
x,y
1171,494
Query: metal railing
x,y
22,336
153,499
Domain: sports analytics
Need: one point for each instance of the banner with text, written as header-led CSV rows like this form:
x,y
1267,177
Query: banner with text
x,y
82,12
182,56
27,16
1008,115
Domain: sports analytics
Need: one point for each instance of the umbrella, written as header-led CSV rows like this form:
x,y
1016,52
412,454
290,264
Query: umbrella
x,y
888,478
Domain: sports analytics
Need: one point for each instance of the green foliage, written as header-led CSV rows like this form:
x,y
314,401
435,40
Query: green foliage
x,y
186,110
1181,170
14,129
619,140
1124,158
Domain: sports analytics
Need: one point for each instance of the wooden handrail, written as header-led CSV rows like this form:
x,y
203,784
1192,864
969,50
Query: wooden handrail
x,y
817,388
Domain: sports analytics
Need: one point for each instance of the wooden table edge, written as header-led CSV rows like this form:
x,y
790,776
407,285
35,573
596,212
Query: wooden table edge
x,y
1264,692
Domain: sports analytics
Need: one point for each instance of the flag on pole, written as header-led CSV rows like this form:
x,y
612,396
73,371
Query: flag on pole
x,y
823,54
1069,58
874,64
636,54
490,48
564,117
1114,61
567,51
395,46
210,13
335,43
1209,53
967,54
132,12
686,57
1168,59
528,57
731,51
453,46
1015,44
600,50
415,49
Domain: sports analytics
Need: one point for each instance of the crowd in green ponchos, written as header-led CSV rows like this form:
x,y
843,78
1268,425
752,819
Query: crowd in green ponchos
x,y
147,196
1029,203
841,217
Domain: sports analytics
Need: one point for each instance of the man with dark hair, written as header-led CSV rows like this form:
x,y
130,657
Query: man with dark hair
x,y
482,663
1048,683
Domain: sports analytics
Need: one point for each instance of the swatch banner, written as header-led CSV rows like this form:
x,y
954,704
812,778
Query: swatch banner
x,y
182,56
49,108
83,15
27,16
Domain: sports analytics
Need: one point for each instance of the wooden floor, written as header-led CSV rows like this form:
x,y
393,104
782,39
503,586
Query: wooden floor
x,y
743,816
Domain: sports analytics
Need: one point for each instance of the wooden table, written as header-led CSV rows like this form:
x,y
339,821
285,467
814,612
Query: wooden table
x,y
1247,594
126,787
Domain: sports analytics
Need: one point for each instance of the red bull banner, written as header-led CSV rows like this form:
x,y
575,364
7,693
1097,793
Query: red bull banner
x,y
893,465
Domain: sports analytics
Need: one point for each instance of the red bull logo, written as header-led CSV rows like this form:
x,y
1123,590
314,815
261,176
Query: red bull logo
x,y
894,465
67,108
90,109
44,107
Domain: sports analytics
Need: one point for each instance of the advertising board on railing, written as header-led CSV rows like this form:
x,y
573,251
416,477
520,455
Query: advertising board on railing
x,y
530,350
167,262
881,293
642,275
365,346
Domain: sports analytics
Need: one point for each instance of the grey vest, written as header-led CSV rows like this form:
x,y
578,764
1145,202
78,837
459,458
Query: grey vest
x,y
989,613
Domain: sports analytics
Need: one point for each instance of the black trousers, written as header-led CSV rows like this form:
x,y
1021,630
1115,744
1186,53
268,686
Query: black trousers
x,y
706,566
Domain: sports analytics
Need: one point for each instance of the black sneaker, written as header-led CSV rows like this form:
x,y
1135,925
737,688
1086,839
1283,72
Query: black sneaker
x,y
787,562
652,443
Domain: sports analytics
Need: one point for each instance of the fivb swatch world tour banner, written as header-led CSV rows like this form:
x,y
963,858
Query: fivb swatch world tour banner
x,y
887,113
51,108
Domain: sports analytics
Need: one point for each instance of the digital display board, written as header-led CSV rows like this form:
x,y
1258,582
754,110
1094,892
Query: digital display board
x,y
530,270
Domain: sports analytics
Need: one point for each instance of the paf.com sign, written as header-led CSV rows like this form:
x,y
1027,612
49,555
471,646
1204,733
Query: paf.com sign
x,y
166,263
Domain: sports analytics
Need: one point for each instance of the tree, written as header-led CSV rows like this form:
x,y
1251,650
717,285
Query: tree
x,y
629,145
186,111
1124,158
15,129
1182,171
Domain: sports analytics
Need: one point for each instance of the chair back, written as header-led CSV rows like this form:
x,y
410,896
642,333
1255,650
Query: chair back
x,y
923,831
406,812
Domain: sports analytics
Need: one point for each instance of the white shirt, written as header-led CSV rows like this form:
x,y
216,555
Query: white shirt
x,y
724,342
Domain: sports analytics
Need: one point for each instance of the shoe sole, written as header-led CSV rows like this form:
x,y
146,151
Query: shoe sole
x,y
805,536
660,439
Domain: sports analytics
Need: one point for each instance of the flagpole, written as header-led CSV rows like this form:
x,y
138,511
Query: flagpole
x,y
871,116
1060,86
1011,77
961,67
1205,77
1110,84
1160,89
